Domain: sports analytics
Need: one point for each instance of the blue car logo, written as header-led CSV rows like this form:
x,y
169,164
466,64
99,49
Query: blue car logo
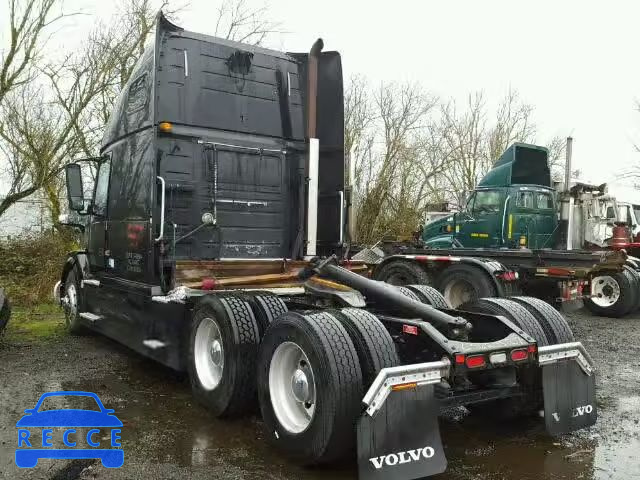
x,y
34,444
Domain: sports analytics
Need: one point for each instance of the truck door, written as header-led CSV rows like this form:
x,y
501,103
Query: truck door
x,y
98,220
479,225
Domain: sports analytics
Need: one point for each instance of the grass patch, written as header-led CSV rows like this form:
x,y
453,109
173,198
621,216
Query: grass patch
x,y
39,322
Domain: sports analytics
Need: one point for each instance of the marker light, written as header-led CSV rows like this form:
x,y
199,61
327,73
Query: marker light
x,y
404,386
519,355
477,361
165,127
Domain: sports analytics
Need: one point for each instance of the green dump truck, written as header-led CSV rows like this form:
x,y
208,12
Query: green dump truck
x,y
518,234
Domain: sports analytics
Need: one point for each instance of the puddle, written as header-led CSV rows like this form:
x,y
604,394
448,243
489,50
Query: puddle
x,y
167,435
164,425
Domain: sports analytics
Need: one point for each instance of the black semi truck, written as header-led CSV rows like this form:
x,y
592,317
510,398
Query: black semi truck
x,y
220,178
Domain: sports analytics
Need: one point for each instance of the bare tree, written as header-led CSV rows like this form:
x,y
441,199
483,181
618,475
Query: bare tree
x,y
29,21
464,143
239,21
475,139
389,140
84,87
557,148
512,124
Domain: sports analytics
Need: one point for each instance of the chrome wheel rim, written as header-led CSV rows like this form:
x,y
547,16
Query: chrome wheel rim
x,y
292,387
458,292
605,291
208,352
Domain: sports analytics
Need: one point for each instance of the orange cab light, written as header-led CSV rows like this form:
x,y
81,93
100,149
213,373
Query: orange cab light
x,y
519,355
532,348
165,127
477,361
459,358
404,386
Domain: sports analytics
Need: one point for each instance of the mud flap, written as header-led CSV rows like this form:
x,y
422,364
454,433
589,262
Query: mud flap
x,y
401,441
568,383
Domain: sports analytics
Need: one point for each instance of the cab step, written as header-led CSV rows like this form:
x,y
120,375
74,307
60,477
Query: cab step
x,y
92,317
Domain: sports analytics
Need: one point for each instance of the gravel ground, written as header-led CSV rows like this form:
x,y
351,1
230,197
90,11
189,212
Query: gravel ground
x,y
166,436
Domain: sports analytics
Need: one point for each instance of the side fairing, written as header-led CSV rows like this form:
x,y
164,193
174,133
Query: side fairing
x,y
133,110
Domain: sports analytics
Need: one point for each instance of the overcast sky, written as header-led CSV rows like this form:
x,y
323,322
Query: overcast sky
x,y
576,62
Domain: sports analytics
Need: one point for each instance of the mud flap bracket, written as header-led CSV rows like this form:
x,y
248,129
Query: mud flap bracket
x,y
568,383
398,433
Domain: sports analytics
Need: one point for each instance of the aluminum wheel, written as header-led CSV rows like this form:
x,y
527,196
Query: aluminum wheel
x,y
208,352
458,292
292,387
605,291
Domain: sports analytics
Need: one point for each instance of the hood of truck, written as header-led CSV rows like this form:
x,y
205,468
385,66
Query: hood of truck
x,y
439,232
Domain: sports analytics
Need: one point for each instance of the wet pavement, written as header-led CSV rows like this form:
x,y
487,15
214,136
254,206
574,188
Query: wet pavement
x,y
166,435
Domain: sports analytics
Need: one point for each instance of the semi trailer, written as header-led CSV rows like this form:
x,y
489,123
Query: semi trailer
x,y
220,179
518,235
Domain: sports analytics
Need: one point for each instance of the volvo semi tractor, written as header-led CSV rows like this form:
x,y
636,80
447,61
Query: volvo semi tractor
x,y
219,180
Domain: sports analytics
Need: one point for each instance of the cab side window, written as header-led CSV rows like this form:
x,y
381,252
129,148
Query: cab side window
x,y
525,200
544,201
102,188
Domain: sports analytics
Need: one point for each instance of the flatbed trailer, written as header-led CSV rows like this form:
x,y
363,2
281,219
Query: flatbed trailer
x,y
196,259
462,274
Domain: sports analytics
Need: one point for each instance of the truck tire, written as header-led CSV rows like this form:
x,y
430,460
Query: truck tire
x,y
312,424
73,304
514,312
510,408
266,308
464,283
429,295
555,326
407,292
223,348
614,294
5,311
403,272
635,288
373,343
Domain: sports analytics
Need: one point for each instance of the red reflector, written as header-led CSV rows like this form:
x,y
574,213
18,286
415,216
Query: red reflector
x,y
459,358
559,272
410,329
532,349
507,276
475,361
208,284
519,355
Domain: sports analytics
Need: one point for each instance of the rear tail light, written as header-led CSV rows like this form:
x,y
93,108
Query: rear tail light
x,y
410,329
508,276
519,355
532,348
476,361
